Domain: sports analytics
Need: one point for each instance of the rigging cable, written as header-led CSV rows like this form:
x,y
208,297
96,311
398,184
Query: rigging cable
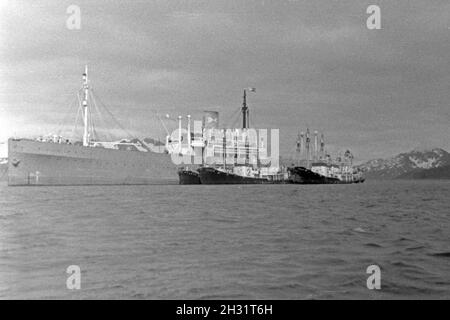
x,y
63,122
101,119
112,116
77,117
233,117
92,126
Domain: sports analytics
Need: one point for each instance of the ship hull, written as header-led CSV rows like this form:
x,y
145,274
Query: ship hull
x,y
44,163
213,176
301,175
189,177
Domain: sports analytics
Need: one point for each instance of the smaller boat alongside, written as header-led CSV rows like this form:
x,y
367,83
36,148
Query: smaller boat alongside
x,y
231,159
189,176
315,166
301,175
210,175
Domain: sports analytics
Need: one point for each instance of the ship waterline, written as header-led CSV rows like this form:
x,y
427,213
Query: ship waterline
x,y
45,163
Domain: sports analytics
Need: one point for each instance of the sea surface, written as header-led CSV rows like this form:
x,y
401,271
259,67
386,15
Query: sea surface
x,y
226,242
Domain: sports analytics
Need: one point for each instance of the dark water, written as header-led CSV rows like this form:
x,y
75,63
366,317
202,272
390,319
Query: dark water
x,y
214,242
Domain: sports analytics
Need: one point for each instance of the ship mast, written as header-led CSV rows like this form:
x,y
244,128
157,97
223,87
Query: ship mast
x,y
179,134
316,148
302,147
189,132
85,107
224,150
235,146
244,112
299,148
307,148
322,146
246,122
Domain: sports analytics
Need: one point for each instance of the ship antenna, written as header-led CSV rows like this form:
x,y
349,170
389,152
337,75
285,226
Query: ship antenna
x,y
85,107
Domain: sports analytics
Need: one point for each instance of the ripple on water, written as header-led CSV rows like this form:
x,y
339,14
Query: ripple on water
x,y
277,242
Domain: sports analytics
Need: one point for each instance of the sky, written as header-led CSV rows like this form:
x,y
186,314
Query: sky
x,y
313,63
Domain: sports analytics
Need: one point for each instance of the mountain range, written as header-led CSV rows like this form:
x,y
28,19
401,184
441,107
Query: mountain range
x,y
416,164
3,169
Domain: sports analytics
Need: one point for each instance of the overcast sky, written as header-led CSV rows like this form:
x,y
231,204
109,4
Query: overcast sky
x,y
313,63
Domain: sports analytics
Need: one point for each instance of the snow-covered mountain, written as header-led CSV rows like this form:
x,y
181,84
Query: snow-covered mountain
x,y
404,163
3,169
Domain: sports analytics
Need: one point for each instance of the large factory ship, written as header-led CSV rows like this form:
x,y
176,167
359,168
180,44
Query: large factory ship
x,y
59,161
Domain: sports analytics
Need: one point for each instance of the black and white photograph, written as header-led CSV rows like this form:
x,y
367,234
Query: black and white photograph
x,y
237,151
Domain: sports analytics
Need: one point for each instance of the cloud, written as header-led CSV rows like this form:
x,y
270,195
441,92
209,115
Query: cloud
x,y
313,64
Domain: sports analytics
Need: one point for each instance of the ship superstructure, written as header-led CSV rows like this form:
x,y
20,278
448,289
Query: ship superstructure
x,y
233,156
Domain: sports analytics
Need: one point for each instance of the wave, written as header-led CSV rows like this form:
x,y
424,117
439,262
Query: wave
x,y
440,254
